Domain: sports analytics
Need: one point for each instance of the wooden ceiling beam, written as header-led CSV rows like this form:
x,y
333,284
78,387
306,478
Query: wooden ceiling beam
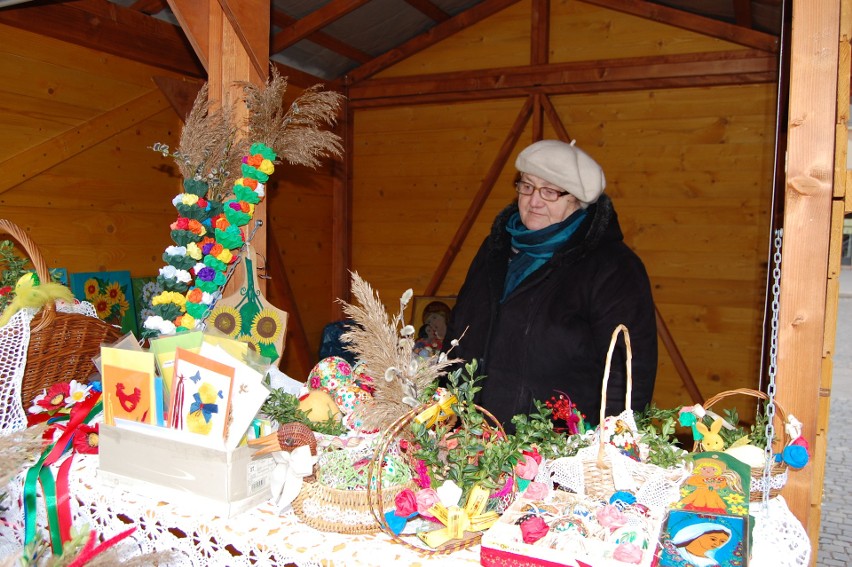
x,y
313,22
726,67
692,22
742,13
149,7
282,20
441,31
110,28
429,10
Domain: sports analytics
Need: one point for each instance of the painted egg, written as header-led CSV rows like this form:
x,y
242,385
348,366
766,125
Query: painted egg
x,y
350,397
329,374
362,377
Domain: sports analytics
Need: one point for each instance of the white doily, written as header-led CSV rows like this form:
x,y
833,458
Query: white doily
x,y
779,537
14,342
255,537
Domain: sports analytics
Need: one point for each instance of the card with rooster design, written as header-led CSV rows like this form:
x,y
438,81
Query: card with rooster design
x,y
127,379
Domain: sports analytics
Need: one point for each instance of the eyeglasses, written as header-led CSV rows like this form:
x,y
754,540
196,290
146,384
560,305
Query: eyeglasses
x,y
546,193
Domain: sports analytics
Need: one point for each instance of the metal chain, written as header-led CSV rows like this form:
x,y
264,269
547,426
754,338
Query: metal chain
x,y
773,368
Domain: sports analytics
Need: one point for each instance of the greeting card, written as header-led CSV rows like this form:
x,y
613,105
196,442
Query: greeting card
x,y
247,394
200,394
164,348
127,379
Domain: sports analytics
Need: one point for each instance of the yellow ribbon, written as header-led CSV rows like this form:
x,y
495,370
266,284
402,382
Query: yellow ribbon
x,y
458,520
442,410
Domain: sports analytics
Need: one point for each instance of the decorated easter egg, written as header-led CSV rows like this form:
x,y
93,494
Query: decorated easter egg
x,y
350,397
319,405
362,376
329,374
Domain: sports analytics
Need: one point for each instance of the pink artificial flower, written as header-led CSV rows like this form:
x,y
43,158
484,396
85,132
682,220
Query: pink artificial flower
x,y
526,468
534,454
426,498
423,480
628,553
611,517
406,503
536,491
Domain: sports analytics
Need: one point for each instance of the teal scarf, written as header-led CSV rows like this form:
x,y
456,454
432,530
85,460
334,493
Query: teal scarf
x,y
535,247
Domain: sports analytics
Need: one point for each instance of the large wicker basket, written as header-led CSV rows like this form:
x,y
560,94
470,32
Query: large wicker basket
x,y
778,470
62,345
379,501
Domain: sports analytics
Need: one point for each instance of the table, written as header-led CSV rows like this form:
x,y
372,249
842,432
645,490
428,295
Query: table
x,y
253,538
262,537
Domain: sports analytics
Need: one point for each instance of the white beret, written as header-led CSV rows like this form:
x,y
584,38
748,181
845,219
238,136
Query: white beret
x,y
566,166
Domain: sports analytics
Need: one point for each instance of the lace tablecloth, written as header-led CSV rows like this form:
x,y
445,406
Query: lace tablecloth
x,y
262,537
253,538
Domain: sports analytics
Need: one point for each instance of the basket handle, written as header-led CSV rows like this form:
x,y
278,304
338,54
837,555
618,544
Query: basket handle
x,y
629,395
38,262
782,413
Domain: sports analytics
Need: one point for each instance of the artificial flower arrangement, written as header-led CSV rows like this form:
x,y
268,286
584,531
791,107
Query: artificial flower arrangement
x,y
225,174
69,403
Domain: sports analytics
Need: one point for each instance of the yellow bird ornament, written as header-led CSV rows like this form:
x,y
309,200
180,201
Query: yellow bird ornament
x,y
30,292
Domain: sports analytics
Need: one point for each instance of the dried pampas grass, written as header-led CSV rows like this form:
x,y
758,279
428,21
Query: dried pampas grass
x,y
386,345
296,134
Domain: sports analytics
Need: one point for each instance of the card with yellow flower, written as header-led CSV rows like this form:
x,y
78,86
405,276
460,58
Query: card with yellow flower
x,y
112,295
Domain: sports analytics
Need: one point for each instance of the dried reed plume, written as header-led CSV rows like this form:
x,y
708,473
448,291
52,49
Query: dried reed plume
x,y
209,149
296,134
18,449
386,347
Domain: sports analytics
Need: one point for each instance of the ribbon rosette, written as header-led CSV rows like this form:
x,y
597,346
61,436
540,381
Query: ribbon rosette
x,y
440,411
291,467
458,520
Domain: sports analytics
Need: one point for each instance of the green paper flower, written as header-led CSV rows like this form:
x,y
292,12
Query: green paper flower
x,y
230,238
237,218
243,193
215,263
197,310
262,149
172,284
209,287
254,173
191,212
195,187
168,311
179,262
184,237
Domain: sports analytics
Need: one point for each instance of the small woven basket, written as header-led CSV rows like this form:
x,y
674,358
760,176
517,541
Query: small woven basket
x,y
778,470
379,501
62,345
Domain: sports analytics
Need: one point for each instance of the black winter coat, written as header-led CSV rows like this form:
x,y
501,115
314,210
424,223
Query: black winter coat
x,y
552,333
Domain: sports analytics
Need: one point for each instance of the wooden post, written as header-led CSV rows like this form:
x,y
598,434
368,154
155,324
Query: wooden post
x,y
807,217
231,38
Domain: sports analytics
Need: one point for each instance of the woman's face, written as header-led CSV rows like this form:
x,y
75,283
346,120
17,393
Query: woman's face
x,y
536,213
706,542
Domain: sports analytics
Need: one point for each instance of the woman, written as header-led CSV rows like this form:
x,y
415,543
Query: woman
x,y
548,287
698,543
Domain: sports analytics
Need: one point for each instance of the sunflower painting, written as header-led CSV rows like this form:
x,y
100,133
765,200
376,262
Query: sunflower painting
x,y
111,294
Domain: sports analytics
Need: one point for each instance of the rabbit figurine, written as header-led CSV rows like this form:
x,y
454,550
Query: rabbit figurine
x,y
711,440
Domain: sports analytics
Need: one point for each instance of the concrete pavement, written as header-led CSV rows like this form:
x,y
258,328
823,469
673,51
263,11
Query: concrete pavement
x,y
835,538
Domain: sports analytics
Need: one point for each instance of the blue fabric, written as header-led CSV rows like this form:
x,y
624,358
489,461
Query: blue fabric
x,y
536,247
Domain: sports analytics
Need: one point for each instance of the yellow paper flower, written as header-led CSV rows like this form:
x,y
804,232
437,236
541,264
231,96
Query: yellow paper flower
x,y
227,320
170,297
266,327
193,251
189,198
267,167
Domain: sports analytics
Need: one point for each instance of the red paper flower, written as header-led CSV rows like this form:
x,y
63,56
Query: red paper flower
x,y
86,439
5,289
406,503
533,529
54,400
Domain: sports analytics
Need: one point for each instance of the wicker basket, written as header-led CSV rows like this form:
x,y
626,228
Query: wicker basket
x,y
62,345
378,499
778,470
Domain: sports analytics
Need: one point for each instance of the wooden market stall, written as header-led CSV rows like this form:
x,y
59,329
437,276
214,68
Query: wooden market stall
x,y
680,110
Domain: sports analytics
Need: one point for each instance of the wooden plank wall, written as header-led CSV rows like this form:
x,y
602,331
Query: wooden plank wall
x,y
77,173
689,170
